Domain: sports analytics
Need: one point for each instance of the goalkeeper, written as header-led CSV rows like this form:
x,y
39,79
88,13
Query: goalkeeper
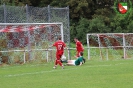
x,y
78,62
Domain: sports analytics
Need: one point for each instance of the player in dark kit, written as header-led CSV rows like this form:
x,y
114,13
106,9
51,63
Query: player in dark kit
x,y
78,62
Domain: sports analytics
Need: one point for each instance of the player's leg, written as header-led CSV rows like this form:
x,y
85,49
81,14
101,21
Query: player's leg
x,y
59,60
78,54
56,61
71,62
55,64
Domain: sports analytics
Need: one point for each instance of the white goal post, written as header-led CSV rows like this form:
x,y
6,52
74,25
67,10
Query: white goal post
x,y
108,46
20,42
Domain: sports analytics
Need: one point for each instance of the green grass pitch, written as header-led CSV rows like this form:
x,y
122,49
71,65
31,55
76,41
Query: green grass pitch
x,y
93,74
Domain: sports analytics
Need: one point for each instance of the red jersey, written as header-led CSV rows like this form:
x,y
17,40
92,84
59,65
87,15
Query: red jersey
x,y
59,46
79,46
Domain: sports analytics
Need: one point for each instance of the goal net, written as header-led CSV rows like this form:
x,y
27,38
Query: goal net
x,y
107,46
22,42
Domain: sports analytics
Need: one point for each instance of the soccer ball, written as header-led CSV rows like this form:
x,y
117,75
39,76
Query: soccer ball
x,y
63,57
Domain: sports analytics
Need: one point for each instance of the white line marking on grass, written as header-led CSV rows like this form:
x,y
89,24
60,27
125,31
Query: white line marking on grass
x,y
29,73
17,66
14,75
121,63
41,72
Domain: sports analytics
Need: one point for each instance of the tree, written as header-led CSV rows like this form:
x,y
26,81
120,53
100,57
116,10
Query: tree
x,y
130,22
122,23
104,3
97,25
59,3
54,3
130,27
82,29
104,13
80,8
15,2
73,30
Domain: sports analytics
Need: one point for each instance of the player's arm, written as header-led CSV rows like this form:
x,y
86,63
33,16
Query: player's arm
x,y
80,61
76,56
82,46
52,45
80,64
65,47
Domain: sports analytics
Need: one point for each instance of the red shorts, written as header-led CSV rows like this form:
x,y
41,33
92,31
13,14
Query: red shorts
x,y
59,55
78,53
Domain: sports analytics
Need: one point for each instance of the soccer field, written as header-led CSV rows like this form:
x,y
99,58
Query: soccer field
x,y
93,74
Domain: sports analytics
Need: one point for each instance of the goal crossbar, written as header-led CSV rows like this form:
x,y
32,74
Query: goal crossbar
x,y
30,37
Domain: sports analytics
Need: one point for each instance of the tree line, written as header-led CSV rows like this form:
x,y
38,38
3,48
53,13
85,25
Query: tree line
x,y
88,16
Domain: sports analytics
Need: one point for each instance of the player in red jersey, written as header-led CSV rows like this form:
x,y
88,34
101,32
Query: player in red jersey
x,y
79,47
60,45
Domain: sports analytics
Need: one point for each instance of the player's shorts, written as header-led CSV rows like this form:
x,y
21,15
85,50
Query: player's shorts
x,y
78,53
72,62
59,55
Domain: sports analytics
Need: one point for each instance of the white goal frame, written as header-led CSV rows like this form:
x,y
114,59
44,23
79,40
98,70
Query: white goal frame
x,y
29,50
60,23
124,44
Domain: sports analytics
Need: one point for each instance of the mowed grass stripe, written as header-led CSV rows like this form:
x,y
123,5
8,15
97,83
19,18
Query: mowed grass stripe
x,y
44,71
93,74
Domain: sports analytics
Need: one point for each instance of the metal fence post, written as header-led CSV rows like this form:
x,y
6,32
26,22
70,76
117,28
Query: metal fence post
x,y
69,54
4,7
30,14
29,36
49,18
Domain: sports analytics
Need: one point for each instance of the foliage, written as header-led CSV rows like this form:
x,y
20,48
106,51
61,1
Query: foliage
x,y
122,23
15,2
97,25
79,30
87,16
130,27
79,8
82,29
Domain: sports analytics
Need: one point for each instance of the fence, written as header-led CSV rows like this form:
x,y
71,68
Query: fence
x,y
108,46
30,14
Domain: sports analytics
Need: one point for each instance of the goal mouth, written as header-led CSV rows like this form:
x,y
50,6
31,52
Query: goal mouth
x,y
22,34
29,41
111,44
